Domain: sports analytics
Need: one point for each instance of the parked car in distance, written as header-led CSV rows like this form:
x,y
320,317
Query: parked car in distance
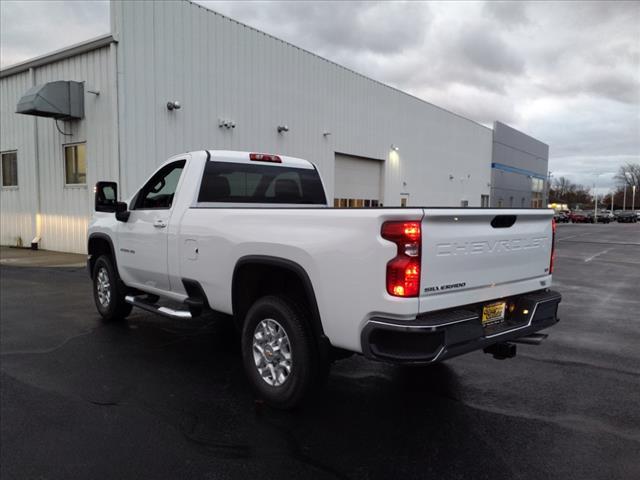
x,y
627,216
599,218
561,217
578,216
252,237
608,213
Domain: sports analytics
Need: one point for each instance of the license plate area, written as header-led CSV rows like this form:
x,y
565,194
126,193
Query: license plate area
x,y
493,314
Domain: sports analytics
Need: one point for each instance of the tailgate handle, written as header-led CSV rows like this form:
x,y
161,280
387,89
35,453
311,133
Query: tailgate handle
x,y
503,221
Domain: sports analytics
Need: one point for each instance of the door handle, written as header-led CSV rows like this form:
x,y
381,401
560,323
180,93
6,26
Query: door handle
x,y
160,224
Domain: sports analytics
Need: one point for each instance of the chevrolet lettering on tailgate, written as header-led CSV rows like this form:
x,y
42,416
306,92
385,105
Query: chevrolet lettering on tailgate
x,y
489,246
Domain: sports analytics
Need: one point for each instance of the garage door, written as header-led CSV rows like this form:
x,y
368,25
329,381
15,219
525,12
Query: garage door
x,y
357,181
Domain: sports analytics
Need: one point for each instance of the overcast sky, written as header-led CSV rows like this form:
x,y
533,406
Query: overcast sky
x,y
566,73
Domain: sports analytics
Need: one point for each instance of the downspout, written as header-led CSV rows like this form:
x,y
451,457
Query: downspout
x,y
113,89
37,221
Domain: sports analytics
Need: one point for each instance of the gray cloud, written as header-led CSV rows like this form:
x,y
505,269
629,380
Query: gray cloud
x,y
567,73
508,13
29,29
330,27
483,47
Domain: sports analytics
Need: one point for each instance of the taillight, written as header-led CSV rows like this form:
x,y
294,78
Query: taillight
x,y
264,157
403,271
553,245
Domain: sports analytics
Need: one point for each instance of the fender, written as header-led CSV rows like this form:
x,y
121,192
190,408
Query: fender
x,y
90,260
296,269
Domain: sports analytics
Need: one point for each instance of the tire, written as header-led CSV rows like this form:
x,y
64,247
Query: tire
x,y
277,332
109,291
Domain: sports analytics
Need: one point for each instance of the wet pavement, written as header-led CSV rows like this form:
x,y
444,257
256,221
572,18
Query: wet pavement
x,y
154,398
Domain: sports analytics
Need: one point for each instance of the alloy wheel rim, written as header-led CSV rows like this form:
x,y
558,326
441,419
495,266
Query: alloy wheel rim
x,y
272,352
103,287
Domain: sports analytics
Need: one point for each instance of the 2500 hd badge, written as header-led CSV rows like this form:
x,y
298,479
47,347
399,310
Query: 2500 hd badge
x,y
441,288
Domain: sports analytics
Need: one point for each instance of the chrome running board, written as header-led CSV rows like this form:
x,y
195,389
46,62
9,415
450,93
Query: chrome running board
x,y
140,302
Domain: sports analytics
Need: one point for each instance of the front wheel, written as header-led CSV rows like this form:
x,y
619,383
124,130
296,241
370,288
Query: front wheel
x,y
279,353
108,291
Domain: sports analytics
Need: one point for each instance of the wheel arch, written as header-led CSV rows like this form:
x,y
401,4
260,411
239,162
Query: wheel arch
x,y
100,244
273,266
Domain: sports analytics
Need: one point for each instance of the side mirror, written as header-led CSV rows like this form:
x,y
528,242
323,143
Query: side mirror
x,y
122,212
106,196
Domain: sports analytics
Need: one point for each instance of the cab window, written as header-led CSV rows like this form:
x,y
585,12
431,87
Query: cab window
x,y
158,192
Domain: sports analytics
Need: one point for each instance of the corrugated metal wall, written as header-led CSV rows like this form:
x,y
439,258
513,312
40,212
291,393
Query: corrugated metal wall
x,y
17,204
220,69
64,210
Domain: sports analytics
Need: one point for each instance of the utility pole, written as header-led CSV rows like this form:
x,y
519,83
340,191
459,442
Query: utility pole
x,y
595,204
624,198
633,199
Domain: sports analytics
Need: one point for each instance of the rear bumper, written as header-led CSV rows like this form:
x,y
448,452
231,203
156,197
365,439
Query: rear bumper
x,y
440,335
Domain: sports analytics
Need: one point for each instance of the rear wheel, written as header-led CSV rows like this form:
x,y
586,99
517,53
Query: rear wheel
x,y
279,352
108,291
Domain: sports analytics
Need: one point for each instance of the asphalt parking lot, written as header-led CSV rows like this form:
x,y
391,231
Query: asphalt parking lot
x,y
152,398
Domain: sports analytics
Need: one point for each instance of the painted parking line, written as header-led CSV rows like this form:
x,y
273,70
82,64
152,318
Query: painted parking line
x,y
588,259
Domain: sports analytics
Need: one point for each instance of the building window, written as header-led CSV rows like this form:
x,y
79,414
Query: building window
x,y
537,187
10,169
75,164
464,203
484,201
537,184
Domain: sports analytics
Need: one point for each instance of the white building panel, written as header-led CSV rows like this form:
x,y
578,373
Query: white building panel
x,y
43,205
17,223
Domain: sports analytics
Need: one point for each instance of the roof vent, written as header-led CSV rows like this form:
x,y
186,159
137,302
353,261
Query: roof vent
x,y
60,100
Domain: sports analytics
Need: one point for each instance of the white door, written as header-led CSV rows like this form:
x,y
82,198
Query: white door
x,y
142,240
357,181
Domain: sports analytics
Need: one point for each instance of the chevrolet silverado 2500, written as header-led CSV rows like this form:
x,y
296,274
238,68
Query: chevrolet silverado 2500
x,y
251,236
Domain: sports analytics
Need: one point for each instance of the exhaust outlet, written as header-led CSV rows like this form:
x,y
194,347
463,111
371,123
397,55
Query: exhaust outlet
x,y
502,350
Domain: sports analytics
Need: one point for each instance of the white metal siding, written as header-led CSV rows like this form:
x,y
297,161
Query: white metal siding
x,y
64,210
357,178
219,68
17,223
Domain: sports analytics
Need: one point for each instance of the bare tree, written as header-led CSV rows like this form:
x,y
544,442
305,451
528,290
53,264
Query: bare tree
x,y
564,190
563,186
629,174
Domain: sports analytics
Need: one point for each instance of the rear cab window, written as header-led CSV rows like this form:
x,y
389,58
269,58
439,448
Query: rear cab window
x,y
226,182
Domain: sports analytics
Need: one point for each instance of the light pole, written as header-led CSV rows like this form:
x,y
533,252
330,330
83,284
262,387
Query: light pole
x,y
595,200
612,201
624,198
633,199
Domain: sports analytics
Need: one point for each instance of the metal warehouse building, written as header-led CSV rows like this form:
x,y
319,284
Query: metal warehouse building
x,y
101,110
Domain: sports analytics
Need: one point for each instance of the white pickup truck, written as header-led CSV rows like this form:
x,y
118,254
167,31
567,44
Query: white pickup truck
x,y
251,236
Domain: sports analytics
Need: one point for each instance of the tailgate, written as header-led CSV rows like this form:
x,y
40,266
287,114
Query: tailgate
x,y
476,255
